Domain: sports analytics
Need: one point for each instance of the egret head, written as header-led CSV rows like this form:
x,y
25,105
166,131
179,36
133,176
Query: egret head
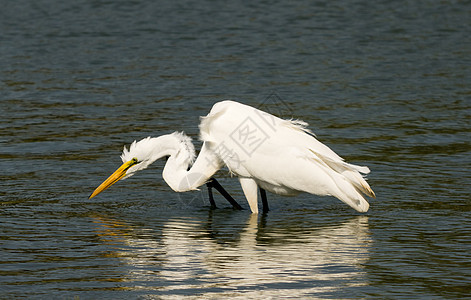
x,y
138,157
144,152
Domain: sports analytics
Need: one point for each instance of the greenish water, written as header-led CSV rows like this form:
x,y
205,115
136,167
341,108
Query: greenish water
x,y
384,84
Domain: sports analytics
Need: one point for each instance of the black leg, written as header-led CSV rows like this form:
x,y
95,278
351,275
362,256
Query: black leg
x,y
210,195
263,195
213,183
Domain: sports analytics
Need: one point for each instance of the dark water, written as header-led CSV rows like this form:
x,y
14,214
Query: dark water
x,y
385,84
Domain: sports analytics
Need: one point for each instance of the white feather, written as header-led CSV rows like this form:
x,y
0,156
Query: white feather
x,y
281,156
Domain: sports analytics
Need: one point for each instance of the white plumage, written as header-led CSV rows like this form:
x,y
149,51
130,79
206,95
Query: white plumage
x,y
280,156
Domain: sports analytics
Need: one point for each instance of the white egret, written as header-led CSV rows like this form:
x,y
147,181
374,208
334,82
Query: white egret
x,y
262,150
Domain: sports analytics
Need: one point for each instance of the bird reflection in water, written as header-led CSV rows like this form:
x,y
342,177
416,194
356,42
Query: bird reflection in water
x,y
229,253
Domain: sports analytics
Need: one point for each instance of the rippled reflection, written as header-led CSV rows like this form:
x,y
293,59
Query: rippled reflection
x,y
225,258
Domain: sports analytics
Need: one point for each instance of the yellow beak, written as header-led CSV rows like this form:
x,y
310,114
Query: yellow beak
x,y
115,177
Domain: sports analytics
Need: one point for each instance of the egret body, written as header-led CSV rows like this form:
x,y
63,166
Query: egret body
x,y
262,150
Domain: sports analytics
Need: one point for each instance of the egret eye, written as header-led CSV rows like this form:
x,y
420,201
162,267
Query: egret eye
x,y
134,161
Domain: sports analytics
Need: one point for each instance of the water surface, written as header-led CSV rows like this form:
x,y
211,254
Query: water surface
x,y
385,85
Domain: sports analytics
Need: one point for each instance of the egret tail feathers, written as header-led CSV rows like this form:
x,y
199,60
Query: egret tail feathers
x,y
350,171
357,202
